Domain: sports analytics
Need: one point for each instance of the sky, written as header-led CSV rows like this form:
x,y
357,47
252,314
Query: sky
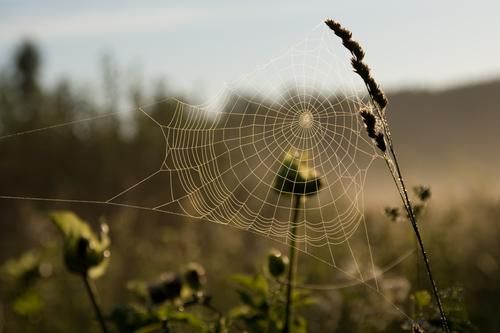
x,y
197,46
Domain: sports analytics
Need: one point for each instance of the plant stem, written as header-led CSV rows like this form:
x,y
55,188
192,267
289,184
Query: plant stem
x,y
400,183
292,268
414,224
93,299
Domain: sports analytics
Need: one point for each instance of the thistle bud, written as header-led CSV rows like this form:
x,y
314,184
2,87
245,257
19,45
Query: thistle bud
x,y
276,263
167,287
84,252
195,276
295,177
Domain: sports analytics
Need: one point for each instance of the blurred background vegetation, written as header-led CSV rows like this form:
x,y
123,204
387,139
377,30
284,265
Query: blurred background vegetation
x,y
447,139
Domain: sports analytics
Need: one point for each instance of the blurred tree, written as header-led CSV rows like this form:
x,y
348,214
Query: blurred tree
x,y
27,62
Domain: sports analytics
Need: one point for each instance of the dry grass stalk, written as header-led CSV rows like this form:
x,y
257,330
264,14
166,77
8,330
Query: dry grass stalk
x,y
377,129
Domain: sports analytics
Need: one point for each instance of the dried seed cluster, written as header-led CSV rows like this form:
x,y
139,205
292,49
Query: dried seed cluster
x,y
359,66
373,128
371,121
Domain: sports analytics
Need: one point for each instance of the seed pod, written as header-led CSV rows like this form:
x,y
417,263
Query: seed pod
x,y
168,287
276,263
195,276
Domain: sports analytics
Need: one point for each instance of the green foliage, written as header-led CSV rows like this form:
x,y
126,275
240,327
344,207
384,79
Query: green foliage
x,y
137,318
427,314
20,277
131,317
421,300
84,252
69,165
170,301
262,307
28,303
25,269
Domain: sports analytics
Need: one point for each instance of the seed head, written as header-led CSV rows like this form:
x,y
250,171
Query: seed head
x,y
373,128
343,33
380,142
358,65
369,120
355,48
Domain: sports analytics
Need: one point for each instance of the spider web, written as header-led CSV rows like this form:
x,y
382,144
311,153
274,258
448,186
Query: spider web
x,y
221,158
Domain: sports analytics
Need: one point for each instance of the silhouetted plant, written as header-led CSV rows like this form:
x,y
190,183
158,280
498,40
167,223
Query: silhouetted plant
x,y
297,179
377,127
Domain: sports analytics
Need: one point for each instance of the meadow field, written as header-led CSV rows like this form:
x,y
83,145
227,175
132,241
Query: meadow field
x,y
447,140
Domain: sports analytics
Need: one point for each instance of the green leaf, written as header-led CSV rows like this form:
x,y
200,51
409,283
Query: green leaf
x,y
243,280
299,325
131,317
246,298
240,311
256,283
138,289
26,268
422,298
28,303
190,320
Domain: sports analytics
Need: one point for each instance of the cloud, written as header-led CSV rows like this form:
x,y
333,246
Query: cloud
x,y
89,24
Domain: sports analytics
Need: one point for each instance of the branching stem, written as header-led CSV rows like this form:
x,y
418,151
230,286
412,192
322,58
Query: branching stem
x,y
413,221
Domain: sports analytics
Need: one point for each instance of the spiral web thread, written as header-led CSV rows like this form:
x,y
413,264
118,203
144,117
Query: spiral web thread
x,y
221,158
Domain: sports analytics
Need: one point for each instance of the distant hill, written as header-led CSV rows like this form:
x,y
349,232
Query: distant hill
x,y
449,139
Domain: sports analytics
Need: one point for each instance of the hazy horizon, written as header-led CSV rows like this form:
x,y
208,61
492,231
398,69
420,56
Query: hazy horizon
x,y
198,48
